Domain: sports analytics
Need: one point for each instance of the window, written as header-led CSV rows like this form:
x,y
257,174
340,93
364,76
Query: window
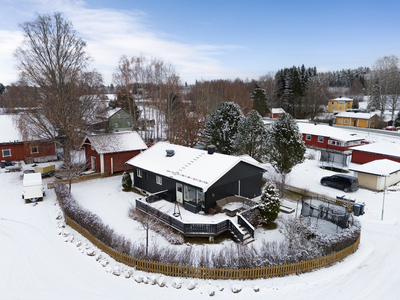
x,y
308,137
6,152
190,193
339,121
115,125
320,139
340,108
139,173
335,143
34,150
372,123
159,180
346,121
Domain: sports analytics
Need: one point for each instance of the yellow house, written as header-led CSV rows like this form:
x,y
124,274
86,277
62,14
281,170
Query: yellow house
x,y
357,119
340,104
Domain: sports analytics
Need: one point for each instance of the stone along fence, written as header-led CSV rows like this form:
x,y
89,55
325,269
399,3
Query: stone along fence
x,y
214,273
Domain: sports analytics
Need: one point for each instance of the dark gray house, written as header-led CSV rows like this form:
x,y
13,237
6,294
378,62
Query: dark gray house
x,y
195,178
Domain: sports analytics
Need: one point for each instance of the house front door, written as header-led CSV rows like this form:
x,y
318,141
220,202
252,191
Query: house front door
x,y
93,163
179,193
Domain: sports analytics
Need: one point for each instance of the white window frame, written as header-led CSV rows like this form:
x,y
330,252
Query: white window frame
x,y
339,121
35,152
319,139
2,152
346,121
308,137
139,173
158,180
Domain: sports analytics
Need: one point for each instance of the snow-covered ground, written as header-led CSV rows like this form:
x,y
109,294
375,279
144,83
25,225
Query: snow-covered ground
x,y
40,260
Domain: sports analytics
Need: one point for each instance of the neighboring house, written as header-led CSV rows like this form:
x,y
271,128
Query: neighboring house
x,y
358,119
14,148
340,104
109,152
335,143
381,150
276,112
377,174
196,178
117,119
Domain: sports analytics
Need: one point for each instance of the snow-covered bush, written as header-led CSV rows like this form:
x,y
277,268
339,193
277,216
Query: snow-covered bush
x,y
269,203
303,242
126,181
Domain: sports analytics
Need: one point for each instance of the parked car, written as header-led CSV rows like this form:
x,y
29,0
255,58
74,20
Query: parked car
x,y
391,128
342,182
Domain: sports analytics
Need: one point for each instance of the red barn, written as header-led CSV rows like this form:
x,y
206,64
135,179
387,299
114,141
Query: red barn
x,y
109,152
382,150
14,148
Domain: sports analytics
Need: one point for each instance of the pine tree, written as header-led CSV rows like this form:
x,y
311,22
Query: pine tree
x,y
221,127
269,203
251,136
126,181
285,147
259,100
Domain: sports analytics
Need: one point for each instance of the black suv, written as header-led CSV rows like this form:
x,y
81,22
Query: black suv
x,y
342,182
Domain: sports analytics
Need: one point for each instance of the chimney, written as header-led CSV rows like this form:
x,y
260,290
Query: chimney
x,y
210,149
170,153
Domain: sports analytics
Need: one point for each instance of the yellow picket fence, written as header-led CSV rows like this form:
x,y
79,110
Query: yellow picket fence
x,y
215,273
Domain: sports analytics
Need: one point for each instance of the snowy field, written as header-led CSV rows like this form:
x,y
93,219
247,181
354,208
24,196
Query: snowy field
x,y
40,260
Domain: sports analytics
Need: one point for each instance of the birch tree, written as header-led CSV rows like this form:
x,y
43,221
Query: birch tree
x,y
66,96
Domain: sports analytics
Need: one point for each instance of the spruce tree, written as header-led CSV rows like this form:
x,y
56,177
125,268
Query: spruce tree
x,y
285,147
269,203
126,181
259,100
221,127
397,120
251,136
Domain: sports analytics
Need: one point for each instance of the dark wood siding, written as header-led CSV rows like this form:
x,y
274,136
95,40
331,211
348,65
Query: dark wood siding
x,y
148,183
228,185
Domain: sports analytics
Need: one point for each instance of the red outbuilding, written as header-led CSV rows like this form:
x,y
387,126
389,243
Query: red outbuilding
x,y
109,152
381,150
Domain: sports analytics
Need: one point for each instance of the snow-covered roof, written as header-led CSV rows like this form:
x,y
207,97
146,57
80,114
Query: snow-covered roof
x,y
277,110
384,148
341,99
188,165
32,179
113,111
383,167
335,133
354,115
116,142
9,132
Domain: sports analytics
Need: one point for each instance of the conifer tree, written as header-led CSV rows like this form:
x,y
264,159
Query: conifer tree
x,y
269,203
126,181
221,127
285,147
259,100
251,136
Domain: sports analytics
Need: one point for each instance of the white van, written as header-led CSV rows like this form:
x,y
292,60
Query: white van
x,y
33,189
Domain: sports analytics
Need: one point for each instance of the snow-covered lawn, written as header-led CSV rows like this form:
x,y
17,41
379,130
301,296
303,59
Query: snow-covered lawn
x,y
40,260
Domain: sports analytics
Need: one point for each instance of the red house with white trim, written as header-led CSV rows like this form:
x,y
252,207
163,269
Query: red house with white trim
x,y
14,148
335,143
328,137
107,153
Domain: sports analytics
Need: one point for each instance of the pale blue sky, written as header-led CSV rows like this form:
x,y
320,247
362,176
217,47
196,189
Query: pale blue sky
x,y
218,39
